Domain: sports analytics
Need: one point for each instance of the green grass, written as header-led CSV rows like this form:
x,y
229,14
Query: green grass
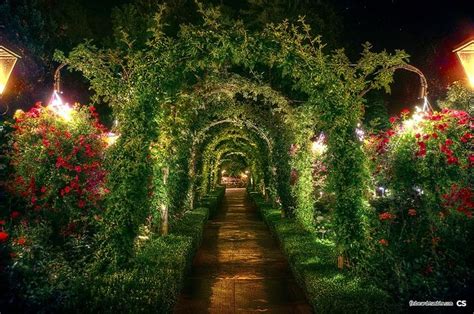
x,y
314,264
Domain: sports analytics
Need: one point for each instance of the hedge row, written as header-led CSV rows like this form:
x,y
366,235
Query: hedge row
x,y
154,282
314,264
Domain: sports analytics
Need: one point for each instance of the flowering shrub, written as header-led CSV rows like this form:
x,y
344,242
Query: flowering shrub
x,y
58,165
422,225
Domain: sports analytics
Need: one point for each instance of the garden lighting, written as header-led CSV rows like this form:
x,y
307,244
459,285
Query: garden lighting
x,y
318,147
360,132
7,63
57,105
465,54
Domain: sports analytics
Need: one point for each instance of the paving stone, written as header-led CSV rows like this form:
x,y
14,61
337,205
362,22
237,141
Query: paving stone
x,y
239,267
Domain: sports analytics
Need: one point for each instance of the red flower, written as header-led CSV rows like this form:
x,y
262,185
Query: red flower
x,y
3,236
43,189
412,212
383,242
21,241
434,135
417,135
78,168
448,142
405,112
67,189
421,149
386,216
81,204
2,222
452,160
442,127
466,137
393,119
15,214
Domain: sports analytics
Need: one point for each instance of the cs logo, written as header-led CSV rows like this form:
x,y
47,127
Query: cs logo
x,y
460,303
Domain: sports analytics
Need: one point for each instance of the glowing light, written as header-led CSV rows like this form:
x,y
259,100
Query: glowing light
x,y
247,172
381,191
7,63
413,122
58,107
360,132
318,147
465,54
111,138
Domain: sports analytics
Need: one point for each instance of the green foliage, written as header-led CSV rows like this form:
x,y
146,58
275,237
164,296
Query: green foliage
x,y
459,97
420,231
313,262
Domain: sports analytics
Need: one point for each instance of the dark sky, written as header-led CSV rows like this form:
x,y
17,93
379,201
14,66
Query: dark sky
x,y
427,30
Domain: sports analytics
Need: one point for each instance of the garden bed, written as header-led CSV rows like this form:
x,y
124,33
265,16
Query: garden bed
x,y
313,263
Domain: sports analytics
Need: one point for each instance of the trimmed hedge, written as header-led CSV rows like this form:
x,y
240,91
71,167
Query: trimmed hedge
x,y
314,264
153,282
150,283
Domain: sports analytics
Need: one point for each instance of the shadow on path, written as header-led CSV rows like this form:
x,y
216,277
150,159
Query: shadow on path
x,y
239,267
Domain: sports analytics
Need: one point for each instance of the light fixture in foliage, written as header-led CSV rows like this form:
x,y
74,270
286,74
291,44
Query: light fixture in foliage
x,y
61,109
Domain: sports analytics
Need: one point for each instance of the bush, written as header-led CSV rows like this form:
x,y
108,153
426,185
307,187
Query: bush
x,y
313,262
58,181
421,227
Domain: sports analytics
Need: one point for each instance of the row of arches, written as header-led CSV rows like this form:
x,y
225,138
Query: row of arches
x,y
216,90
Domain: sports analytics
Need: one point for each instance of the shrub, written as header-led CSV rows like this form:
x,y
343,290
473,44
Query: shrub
x,y
422,225
58,181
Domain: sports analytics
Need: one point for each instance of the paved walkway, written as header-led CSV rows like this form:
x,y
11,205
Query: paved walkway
x,y
239,267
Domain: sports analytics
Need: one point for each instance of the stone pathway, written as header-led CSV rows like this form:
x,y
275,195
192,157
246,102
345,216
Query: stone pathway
x,y
239,267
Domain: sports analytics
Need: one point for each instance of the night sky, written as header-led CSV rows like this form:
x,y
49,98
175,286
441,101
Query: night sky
x,y
427,30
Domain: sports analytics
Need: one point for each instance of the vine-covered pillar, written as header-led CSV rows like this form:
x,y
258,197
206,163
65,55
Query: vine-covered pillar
x,y
348,181
282,174
192,178
129,175
303,188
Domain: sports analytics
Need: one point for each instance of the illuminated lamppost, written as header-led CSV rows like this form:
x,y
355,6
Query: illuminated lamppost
x,y
7,62
465,54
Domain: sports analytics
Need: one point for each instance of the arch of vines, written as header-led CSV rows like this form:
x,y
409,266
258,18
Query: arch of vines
x,y
216,92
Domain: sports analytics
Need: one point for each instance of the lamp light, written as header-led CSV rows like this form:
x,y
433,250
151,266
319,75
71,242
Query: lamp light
x,y
465,54
7,62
